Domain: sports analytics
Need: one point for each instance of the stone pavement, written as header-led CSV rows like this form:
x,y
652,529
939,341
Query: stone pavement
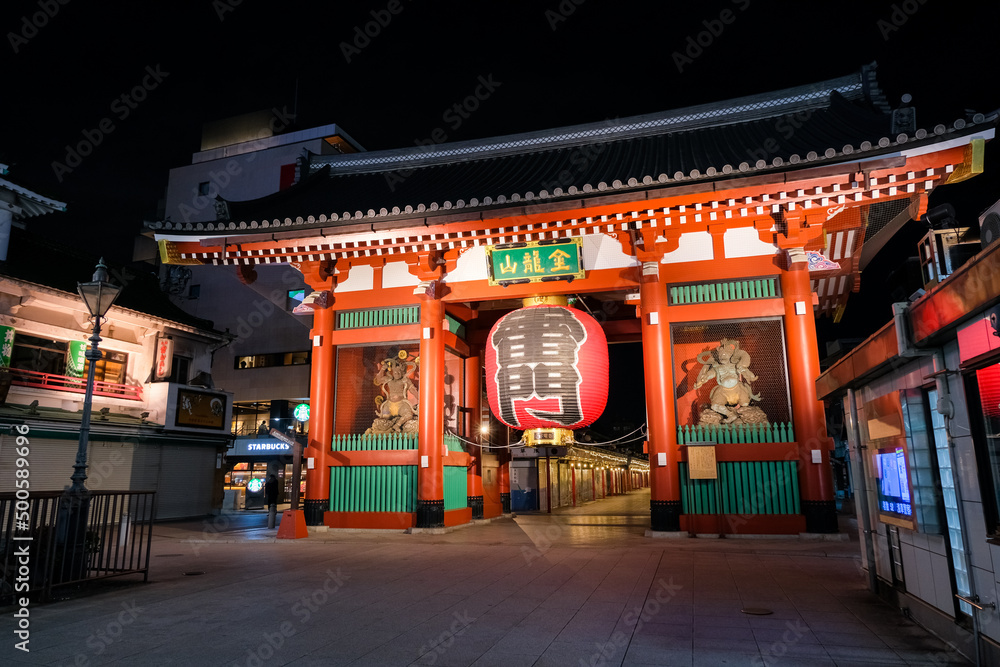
x,y
582,586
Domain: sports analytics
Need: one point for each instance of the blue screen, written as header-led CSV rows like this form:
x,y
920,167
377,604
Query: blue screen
x,y
894,482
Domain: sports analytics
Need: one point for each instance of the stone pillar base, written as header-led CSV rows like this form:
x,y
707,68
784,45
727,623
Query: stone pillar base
x,y
314,510
665,515
476,503
430,513
821,516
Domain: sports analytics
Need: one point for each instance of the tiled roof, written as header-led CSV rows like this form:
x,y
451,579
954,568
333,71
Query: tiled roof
x,y
844,119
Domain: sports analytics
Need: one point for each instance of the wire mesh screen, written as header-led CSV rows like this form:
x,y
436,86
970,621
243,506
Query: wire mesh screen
x,y
754,363
879,214
360,399
454,375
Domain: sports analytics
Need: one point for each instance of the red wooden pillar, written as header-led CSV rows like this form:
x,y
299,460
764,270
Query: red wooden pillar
x,y
808,419
503,477
473,398
430,412
322,381
665,499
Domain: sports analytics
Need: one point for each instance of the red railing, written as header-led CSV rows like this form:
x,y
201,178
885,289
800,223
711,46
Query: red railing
x,y
26,378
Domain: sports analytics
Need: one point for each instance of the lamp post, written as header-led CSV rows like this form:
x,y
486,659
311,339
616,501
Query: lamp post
x,y
97,295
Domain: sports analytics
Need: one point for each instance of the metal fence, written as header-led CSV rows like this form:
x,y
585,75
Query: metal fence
x,y
43,548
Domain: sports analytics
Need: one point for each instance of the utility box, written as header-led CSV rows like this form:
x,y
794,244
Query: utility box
x,y
942,251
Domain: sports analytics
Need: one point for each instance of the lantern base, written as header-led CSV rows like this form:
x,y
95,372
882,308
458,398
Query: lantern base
x,y
548,437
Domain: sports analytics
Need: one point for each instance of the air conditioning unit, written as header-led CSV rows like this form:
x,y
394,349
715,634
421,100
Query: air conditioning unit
x,y
942,251
989,225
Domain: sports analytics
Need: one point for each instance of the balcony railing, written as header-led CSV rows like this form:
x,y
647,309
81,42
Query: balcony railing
x,y
25,378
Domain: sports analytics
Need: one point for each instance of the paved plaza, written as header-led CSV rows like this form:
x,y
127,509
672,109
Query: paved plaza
x,y
582,586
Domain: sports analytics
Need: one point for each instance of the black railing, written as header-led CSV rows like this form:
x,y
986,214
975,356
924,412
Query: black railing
x,y
39,551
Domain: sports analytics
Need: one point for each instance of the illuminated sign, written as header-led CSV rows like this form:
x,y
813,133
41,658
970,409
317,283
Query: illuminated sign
x,y
301,412
255,485
164,357
893,483
198,409
535,261
267,447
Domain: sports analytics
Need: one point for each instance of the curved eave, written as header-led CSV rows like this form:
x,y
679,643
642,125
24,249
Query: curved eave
x,y
30,203
923,141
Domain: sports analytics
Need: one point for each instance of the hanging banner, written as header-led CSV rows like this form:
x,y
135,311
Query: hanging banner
x,y
7,336
75,358
164,358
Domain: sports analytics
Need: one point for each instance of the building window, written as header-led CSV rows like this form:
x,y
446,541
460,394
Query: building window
x,y
110,368
983,391
194,291
180,370
949,494
271,360
39,354
203,188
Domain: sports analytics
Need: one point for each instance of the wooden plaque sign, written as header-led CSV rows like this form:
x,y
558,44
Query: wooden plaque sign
x,y
701,460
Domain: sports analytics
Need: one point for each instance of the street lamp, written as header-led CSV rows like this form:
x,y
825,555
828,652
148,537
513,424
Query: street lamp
x,y
98,295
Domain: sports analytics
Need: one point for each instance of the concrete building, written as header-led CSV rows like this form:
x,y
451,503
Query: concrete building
x,y
921,401
157,424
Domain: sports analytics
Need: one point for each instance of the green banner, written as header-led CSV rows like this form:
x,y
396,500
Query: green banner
x,y
7,335
75,358
535,261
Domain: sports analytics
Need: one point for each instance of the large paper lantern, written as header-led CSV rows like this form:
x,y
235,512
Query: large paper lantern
x,y
547,370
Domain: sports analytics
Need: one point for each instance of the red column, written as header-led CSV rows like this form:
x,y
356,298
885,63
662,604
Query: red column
x,y
321,388
665,499
503,477
808,419
473,397
430,415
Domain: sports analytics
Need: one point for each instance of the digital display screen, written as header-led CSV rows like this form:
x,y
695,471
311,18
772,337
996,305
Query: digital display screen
x,y
297,295
893,482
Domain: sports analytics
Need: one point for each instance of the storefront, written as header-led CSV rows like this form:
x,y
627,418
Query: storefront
x,y
249,462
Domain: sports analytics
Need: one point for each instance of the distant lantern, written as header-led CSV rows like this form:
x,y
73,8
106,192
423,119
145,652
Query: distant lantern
x,y
547,370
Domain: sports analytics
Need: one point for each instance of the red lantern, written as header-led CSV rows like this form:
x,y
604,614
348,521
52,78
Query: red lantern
x,y
547,368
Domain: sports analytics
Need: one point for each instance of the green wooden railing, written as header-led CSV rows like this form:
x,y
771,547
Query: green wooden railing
x,y
733,290
392,488
377,441
743,487
378,317
736,433
373,488
452,442
456,488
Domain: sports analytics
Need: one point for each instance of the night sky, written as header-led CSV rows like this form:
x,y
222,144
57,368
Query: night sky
x,y
134,82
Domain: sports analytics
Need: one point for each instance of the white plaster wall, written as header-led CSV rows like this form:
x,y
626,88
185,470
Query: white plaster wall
x,y
471,265
692,247
396,274
601,251
745,242
360,278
